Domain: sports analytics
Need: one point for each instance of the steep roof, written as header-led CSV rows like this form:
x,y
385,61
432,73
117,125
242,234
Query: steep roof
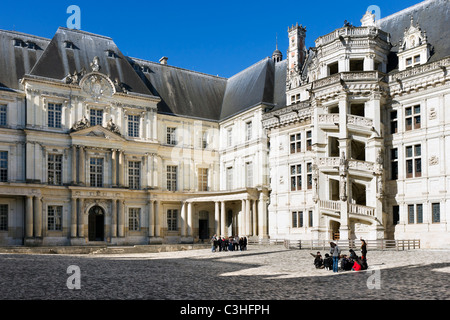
x,y
433,17
18,54
248,88
60,59
182,92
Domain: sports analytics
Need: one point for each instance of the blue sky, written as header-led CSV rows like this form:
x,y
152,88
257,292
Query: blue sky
x,y
214,37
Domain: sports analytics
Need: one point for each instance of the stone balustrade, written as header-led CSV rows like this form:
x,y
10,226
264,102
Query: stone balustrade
x,y
360,209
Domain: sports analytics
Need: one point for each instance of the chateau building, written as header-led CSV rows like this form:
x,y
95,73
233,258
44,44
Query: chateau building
x,y
345,139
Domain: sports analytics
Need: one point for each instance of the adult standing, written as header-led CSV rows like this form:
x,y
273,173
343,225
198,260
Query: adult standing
x,y
363,248
335,252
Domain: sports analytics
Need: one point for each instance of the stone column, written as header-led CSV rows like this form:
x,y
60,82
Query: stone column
x,y
262,216
222,219
254,219
29,217
189,220
74,164
80,218
82,166
121,168
73,218
114,218
38,217
114,167
241,219
121,218
151,218
183,219
157,222
217,218
247,218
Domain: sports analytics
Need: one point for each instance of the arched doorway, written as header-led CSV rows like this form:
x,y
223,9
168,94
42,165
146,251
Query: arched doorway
x,y
96,224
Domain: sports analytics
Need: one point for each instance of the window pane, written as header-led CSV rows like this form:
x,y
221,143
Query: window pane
x,y
419,214
411,213
436,212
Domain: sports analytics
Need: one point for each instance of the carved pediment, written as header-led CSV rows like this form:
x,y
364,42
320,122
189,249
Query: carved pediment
x,y
97,132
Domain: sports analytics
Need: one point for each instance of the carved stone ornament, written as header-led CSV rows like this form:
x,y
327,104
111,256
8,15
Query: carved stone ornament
x,y
95,66
75,77
82,124
97,86
434,160
111,126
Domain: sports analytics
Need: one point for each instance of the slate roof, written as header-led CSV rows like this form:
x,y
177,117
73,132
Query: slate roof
x,y
433,17
182,92
58,61
17,60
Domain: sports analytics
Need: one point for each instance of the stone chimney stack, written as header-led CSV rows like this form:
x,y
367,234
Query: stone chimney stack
x,y
163,60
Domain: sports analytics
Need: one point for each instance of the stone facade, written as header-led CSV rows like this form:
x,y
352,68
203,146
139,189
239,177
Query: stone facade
x,y
330,143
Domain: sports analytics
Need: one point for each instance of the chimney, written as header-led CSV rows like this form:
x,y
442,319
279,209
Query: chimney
x,y
163,60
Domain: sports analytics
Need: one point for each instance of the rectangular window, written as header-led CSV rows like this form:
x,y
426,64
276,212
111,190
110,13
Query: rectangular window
x,y
249,174
296,177
295,140
3,217
202,179
54,115
416,59
413,161
436,212
248,130
310,218
408,62
297,219
54,218
96,117
134,174
172,215
229,178
308,140
3,166
412,118
170,136
133,125
309,175
394,164
229,137
411,213
204,140
172,178
54,169
419,213
96,172
134,218
394,123
3,115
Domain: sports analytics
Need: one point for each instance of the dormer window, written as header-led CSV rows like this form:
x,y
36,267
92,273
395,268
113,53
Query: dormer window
x,y
69,45
413,48
19,43
111,54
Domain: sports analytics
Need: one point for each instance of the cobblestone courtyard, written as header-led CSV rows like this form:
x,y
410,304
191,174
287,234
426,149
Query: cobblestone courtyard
x,y
260,273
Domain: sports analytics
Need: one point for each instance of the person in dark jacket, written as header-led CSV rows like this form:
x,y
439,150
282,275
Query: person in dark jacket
x,y
318,260
328,262
363,248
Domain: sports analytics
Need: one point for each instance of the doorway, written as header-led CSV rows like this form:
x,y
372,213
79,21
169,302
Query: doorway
x,y
96,224
203,231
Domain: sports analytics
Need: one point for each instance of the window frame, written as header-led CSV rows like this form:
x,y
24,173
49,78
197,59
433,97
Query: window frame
x,y
4,209
4,164
54,218
134,219
134,174
295,141
296,177
172,220
54,116
413,161
97,182
172,177
54,169
133,122
202,179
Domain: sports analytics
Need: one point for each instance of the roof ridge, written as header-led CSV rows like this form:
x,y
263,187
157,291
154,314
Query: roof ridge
x,y
24,34
84,32
252,66
178,68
